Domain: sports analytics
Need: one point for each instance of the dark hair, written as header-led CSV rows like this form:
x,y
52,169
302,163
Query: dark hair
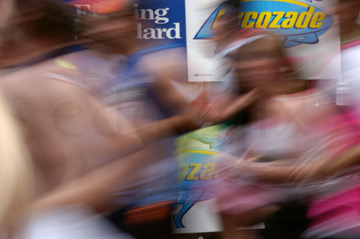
x,y
45,19
235,4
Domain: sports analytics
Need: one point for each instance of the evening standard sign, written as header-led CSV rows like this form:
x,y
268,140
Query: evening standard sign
x,y
155,21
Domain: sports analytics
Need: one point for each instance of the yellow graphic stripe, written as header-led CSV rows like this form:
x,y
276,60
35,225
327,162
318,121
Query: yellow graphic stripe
x,y
65,64
197,151
288,1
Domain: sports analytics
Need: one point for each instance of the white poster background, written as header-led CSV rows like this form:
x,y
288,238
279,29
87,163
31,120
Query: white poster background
x,y
202,217
200,53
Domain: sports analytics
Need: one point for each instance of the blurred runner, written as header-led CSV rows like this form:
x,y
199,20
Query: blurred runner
x,y
142,91
68,131
335,213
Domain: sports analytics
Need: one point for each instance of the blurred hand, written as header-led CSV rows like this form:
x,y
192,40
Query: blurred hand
x,y
227,107
275,172
187,121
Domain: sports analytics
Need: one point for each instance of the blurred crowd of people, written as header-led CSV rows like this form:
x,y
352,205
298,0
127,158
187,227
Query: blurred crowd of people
x,y
90,114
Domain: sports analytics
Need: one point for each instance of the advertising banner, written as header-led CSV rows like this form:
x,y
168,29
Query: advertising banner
x,y
306,28
198,155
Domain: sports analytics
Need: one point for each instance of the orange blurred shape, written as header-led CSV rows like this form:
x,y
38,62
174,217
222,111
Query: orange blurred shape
x,y
102,6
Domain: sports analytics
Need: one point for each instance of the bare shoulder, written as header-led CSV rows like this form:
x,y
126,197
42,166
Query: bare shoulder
x,y
310,107
302,101
44,83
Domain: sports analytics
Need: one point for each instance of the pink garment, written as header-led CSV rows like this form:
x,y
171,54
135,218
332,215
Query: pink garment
x,y
239,196
338,214
343,131
335,205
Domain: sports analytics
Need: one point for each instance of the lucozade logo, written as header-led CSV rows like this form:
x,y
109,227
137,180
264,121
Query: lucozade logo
x,y
296,22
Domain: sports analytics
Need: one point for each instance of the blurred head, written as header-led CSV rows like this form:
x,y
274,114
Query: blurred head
x,y
111,23
115,30
227,23
46,22
257,64
225,28
49,20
